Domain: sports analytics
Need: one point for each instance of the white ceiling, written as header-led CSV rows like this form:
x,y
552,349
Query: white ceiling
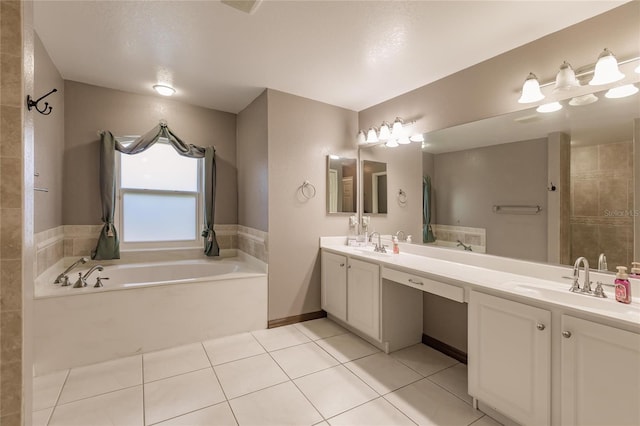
x,y
354,54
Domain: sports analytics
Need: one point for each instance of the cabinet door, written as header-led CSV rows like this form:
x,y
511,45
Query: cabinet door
x,y
600,374
334,284
363,297
510,358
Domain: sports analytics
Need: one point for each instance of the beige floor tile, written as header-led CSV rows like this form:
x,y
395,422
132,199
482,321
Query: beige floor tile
x,y
248,375
320,328
46,389
174,396
347,347
423,359
119,408
382,372
454,379
303,359
486,421
282,404
335,390
174,361
281,337
216,415
374,413
232,348
428,404
96,379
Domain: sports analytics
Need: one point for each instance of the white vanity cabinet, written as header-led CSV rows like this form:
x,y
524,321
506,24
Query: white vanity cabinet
x,y
509,359
351,292
600,374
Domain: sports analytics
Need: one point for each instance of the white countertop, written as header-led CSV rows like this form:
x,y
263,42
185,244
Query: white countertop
x,y
551,293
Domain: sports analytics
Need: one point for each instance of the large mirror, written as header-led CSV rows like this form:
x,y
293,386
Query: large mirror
x,y
374,187
494,187
342,184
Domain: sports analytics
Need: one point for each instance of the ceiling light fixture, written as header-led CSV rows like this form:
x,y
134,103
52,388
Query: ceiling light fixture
x,y
550,107
531,90
606,70
566,78
164,90
621,91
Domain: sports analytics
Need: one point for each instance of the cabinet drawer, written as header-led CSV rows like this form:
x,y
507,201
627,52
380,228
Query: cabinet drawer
x,y
425,284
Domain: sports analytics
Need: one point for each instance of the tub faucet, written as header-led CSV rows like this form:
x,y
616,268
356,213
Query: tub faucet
x,y
82,279
379,247
63,278
586,287
466,247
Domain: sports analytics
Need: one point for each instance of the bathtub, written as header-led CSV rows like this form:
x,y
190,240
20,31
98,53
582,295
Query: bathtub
x,y
145,307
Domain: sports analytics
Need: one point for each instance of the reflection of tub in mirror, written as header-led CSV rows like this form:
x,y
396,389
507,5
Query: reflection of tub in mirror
x,y
374,187
342,185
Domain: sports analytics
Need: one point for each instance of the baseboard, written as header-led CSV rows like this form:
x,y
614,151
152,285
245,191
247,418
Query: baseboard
x,y
295,319
446,349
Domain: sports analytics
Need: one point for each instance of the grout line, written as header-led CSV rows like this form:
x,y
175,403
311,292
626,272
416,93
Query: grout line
x,y
226,398
477,420
190,412
449,391
176,375
55,405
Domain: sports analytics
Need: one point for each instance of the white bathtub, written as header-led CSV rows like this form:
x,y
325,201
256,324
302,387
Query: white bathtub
x,y
145,307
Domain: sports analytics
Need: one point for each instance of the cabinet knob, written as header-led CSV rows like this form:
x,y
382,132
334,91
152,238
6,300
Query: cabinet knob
x,y
540,326
341,265
349,267
566,334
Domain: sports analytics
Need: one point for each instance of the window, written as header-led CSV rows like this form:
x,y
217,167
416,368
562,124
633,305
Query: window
x,y
159,198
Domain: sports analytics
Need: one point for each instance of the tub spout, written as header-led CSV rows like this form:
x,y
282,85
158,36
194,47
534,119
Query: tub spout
x,y
82,279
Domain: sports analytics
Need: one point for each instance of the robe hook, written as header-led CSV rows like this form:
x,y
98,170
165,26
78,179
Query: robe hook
x,y
46,109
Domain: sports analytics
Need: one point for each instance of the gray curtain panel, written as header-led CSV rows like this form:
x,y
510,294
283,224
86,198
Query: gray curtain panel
x,y
108,246
427,232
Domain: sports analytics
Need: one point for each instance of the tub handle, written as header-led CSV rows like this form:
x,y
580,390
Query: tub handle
x,y
99,282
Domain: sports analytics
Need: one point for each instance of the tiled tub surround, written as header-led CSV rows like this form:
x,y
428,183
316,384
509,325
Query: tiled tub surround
x,y
72,241
147,306
300,374
449,235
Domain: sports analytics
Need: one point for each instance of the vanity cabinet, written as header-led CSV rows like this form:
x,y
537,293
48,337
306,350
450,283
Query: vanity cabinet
x,y
509,360
600,374
351,292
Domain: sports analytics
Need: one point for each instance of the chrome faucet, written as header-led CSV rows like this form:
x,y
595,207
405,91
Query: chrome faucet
x,y
586,287
466,247
82,279
63,278
602,263
379,247
404,238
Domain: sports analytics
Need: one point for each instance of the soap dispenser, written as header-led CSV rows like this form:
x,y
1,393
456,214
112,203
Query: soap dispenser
x,y
623,287
635,270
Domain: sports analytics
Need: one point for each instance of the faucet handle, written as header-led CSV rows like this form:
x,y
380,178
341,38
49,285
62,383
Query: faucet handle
x,y
575,286
81,282
99,282
63,281
599,291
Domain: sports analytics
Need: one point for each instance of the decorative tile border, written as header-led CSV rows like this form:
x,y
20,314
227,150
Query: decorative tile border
x,y
53,245
476,237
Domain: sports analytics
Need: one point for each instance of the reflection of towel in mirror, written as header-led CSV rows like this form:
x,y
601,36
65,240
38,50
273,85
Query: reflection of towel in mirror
x,y
427,232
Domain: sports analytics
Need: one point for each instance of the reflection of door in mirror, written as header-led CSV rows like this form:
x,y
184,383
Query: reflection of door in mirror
x,y
374,191
341,184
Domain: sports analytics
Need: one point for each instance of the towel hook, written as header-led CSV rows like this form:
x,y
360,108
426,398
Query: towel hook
x,y
402,197
308,190
46,109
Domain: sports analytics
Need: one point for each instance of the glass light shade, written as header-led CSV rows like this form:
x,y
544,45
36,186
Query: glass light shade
x,y
164,90
362,138
396,132
550,107
531,90
404,140
417,138
566,78
372,136
583,100
621,91
385,133
606,70
392,143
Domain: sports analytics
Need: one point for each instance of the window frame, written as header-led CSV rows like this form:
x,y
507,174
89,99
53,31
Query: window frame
x,y
119,211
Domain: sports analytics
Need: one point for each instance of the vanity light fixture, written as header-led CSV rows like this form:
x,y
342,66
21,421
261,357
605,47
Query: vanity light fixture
x,y
566,78
583,100
606,70
372,136
385,133
164,90
531,90
550,107
621,91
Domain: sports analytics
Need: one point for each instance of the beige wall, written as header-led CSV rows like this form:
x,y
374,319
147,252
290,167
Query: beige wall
x,y
92,108
467,184
252,162
49,142
302,133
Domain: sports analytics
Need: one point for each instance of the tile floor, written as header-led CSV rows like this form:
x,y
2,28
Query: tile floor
x,y
303,374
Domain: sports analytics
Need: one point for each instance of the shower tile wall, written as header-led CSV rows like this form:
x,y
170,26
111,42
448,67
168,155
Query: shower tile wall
x,y
10,212
602,203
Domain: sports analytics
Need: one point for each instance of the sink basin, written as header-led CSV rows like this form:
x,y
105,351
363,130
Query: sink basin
x,y
563,295
370,252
